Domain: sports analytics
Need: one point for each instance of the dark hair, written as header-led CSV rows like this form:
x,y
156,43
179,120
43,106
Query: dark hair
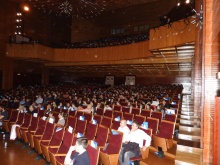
x,y
136,122
82,141
61,114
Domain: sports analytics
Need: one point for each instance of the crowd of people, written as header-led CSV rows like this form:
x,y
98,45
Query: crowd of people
x,y
109,41
87,98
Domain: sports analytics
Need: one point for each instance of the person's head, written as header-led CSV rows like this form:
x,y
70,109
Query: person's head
x,y
48,106
89,106
60,115
31,108
164,102
81,144
135,126
50,114
123,123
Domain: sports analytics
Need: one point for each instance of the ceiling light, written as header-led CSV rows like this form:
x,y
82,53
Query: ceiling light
x,y
26,8
187,1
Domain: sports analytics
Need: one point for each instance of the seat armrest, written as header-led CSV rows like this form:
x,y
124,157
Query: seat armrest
x,y
54,146
60,154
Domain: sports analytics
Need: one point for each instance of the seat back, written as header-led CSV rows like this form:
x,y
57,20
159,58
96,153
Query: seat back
x,y
57,137
33,124
166,129
171,117
27,120
81,126
124,103
67,142
117,107
79,113
49,130
100,111
9,110
115,125
71,121
41,113
153,124
55,114
109,113
93,155
125,109
102,135
14,116
106,121
118,113
135,111
41,127
115,142
56,110
145,113
157,115
140,119
91,131
88,116
128,116
98,118
20,118
72,113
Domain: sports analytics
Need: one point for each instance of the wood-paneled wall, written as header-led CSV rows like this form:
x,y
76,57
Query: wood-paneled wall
x,y
176,33
130,51
210,67
7,24
30,51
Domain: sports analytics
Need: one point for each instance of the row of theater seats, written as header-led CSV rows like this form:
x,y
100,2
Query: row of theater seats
x,y
32,129
53,143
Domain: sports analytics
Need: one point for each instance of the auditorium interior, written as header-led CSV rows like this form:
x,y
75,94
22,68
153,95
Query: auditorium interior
x,y
121,47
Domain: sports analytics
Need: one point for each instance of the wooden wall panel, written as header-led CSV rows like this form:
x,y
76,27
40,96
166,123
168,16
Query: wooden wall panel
x,y
131,51
210,68
176,33
30,51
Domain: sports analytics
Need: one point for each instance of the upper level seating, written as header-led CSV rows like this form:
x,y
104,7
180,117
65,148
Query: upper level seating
x,y
109,41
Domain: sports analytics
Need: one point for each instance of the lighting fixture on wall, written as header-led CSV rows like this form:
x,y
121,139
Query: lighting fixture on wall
x,y
198,16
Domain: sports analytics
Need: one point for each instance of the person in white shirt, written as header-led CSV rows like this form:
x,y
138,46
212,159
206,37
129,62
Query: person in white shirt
x,y
89,109
39,100
135,138
124,129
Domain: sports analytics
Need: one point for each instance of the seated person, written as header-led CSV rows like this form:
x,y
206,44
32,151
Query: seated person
x,y
133,143
88,109
50,117
81,156
4,114
61,121
124,129
39,100
31,110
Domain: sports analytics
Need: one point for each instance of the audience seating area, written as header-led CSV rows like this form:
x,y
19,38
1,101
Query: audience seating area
x,y
44,138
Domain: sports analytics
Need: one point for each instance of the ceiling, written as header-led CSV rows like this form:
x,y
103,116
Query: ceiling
x,y
83,8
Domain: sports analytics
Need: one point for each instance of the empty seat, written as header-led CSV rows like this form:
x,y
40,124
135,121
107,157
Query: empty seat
x,y
106,121
91,131
153,124
109,156
146,113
